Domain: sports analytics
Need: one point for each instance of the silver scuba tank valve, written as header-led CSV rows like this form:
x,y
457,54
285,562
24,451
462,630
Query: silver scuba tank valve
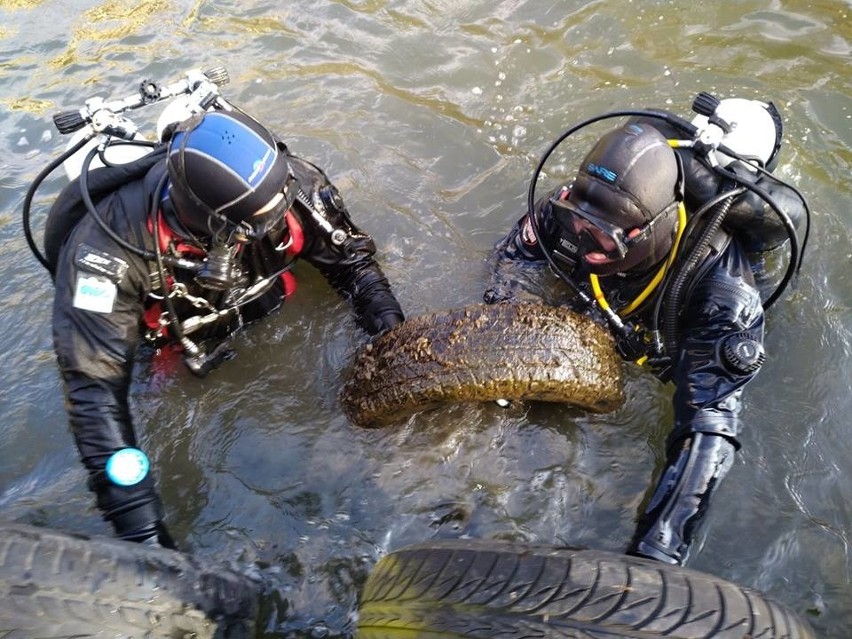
x,y
114,125
103,126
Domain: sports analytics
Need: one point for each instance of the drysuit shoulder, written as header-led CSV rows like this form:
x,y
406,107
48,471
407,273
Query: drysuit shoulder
x,y
68,208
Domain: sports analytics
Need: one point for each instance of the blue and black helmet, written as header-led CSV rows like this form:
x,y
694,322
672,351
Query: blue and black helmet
x,y
227,174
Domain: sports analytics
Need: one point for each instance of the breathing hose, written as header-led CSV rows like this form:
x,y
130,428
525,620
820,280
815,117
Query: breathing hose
x,y
92,210
673,292
28,199
796,250
90,207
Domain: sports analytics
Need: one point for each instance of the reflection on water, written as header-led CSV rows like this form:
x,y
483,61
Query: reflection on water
x,y
430,116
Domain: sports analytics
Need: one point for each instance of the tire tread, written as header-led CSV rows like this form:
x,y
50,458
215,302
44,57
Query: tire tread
x,y
483,353
52,582
485,589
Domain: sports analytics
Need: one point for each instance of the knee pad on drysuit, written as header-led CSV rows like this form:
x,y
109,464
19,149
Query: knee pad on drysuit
x,y
669,523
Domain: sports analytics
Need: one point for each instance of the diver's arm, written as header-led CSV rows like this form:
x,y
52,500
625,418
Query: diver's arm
x,y
720,352
518,259
345,256
95,351
356,275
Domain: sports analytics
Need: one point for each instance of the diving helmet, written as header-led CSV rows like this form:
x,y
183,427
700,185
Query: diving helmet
x,y
227,177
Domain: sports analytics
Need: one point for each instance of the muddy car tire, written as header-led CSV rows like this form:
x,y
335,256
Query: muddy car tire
x,y
54,584
487,589
484,353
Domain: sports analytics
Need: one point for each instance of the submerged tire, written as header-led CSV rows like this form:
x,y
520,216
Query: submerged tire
x,y
58,585
478,589
484,353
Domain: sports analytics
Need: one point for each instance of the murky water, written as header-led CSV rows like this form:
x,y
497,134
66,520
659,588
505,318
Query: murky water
x,y
430,116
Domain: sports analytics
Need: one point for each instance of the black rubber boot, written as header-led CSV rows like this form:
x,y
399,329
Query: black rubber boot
x,y
670,521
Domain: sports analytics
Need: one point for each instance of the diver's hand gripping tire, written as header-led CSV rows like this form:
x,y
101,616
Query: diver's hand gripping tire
x,y
484,353
487,589
58,585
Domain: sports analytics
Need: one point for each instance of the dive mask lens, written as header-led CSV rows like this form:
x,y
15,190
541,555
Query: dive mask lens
x,y
263,221
592,233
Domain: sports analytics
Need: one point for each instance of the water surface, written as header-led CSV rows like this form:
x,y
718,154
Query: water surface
x,y
430,116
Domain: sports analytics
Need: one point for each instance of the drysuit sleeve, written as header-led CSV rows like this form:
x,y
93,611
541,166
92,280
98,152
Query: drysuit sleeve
x,y
721,349
345,255
100,290
518,262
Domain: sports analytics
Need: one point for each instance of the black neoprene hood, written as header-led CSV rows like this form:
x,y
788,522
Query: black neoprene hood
x,y
629,179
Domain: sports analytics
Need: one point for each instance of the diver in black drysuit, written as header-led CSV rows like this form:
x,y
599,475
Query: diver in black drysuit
x,y
618,222
227,239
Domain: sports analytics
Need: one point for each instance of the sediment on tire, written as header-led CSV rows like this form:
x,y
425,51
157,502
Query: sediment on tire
x,y
478,589
55,584
484,353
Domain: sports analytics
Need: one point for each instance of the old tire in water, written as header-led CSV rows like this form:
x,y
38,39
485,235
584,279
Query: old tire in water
x,y
57,585
484,353
478,589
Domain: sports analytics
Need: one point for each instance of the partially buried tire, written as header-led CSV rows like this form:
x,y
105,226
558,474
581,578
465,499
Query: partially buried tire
x,y
484,353
486,589
57,585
